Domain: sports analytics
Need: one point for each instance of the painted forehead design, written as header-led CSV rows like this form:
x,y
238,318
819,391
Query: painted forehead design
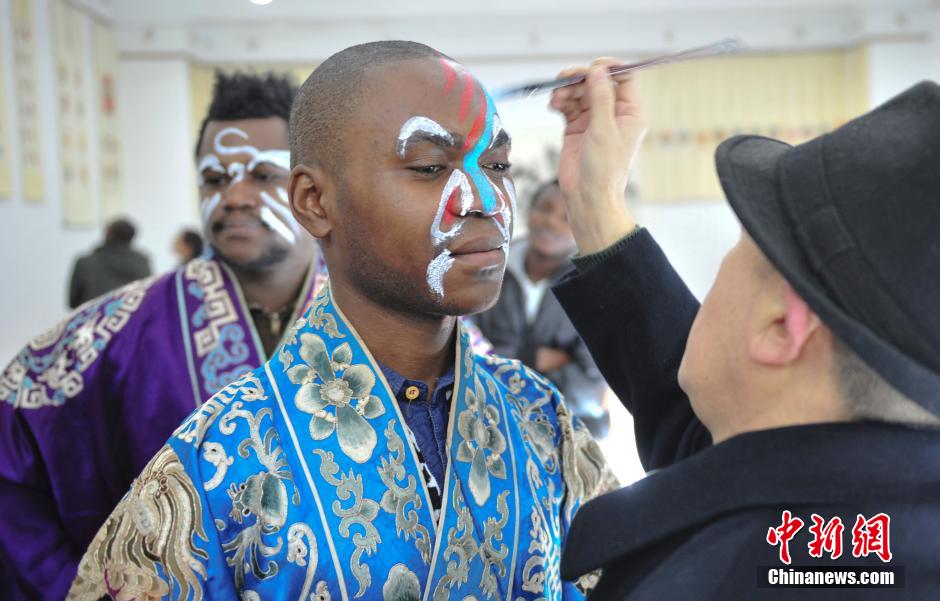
x,y
275,156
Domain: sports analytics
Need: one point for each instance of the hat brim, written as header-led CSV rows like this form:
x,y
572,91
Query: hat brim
x,y
749,171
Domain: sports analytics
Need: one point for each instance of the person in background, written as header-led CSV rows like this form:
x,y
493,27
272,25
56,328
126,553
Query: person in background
x,y
85,405
529,324
110,266
187,246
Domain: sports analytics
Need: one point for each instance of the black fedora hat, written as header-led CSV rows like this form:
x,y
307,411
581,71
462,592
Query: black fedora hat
x,y
852,221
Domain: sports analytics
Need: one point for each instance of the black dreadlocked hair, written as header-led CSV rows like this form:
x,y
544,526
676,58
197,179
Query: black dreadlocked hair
x,y
332,92
247,96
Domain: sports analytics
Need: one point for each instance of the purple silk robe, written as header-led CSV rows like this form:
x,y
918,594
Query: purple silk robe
x,y
84,407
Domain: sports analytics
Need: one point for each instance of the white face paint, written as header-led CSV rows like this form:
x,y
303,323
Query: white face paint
x,y
437,269
422,127
275,213
456,180
208,206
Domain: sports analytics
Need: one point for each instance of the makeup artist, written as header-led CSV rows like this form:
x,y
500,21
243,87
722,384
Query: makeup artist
x,y
791,420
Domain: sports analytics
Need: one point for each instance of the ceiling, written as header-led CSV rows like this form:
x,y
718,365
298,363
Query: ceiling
x,y
181,12
213,31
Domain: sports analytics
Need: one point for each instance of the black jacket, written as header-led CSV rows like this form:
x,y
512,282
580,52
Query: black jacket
x,y
507,329
108,267
697,527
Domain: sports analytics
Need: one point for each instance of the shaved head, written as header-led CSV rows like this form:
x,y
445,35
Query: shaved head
x,y
332,93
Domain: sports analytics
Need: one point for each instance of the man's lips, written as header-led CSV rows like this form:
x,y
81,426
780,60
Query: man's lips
x,y
481,244
238,226
480,252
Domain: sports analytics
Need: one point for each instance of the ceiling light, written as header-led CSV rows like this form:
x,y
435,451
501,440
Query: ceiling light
x,y
261,2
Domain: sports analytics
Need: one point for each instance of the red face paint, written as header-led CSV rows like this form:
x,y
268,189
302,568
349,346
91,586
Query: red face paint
x,y
476,130
466,95
453,208
450,74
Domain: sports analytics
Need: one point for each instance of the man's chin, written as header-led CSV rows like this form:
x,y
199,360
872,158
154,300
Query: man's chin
x,y
251,259
471,299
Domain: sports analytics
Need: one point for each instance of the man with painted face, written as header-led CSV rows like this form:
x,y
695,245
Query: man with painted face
x,y
84,406
376,456
528,323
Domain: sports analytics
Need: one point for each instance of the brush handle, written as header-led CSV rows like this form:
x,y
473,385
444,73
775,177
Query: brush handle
x,y
723,47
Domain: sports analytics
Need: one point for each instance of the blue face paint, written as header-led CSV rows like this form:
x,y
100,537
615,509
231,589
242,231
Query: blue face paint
x,y
471,162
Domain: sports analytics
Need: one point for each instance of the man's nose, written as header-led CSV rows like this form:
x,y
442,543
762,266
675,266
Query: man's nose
x,y
240,194
484,199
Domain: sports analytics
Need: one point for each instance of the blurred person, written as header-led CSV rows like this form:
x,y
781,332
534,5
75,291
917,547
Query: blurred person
x,y
110,266
376,455
84,406
791,420
528,323
187,246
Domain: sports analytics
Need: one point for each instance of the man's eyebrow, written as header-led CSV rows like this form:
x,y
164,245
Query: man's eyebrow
x,y
502,139
210,162
425,129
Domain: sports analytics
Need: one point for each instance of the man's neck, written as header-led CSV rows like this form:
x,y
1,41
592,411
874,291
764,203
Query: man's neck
x,y
417,347
539,267
801,404
275,288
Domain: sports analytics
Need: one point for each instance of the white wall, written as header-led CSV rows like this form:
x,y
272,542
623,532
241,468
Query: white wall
x,y
158,181
35,247
159,172
897,65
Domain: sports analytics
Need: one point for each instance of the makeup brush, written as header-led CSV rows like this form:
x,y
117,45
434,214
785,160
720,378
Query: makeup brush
x,y
528,90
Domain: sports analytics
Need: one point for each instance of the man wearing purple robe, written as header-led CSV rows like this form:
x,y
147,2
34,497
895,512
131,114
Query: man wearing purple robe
x,y
85,405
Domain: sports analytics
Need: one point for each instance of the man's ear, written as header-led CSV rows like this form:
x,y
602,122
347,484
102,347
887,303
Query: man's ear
x,y
309,199
786,330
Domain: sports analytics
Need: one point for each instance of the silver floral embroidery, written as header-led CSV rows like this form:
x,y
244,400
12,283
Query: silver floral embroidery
x,y
461,545
361,513
247,389
493,555
262,495
540,574
529,413
320,319
304,554
585,469
401,585
331,381
483,443
214,453
397,498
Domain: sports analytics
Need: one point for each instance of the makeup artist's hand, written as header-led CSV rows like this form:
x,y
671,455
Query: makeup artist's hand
x,y
604,127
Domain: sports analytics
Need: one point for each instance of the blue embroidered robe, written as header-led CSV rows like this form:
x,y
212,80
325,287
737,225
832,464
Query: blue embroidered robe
x,y
297,482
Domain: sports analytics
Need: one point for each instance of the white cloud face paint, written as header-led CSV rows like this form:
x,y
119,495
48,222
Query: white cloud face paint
x,y
422,125
437,269
456,180
208,206
210,162
275,213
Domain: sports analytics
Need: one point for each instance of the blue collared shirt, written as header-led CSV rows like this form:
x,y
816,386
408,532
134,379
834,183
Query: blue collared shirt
x,y
427,415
